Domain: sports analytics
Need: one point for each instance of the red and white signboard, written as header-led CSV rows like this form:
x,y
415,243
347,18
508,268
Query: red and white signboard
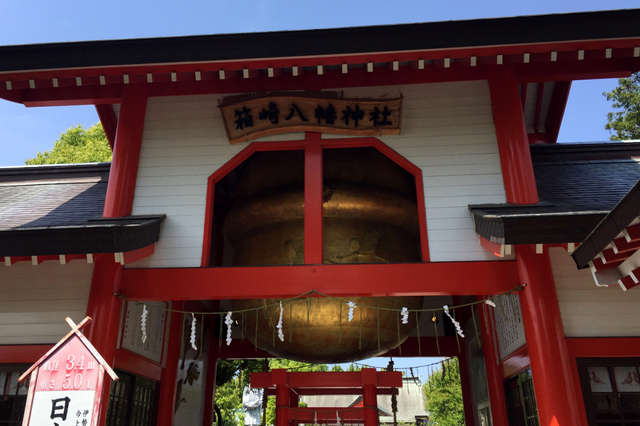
x,y
66,383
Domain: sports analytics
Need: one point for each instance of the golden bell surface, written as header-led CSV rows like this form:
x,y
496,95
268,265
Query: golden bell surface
x,y
369,216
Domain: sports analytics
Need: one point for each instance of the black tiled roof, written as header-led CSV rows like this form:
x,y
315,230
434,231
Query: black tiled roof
x,y
581,177
578,185
614,24
43,196
58,210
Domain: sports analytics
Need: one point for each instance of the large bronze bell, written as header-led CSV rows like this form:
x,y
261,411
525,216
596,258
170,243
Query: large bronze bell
x,y
369,216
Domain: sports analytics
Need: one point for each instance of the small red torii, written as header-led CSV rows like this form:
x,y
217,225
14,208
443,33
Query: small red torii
x,y
288,386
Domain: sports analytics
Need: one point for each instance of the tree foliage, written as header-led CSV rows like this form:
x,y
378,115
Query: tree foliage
x,y
76,145
443,393
625,122
231,378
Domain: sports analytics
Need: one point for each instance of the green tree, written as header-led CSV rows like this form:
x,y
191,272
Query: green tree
x,y
231,378
443,394
625,122
76,145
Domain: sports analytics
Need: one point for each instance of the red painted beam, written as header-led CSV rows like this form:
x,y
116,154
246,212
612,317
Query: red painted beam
x,y
567,51
313,200
459,71
622,245
627,282
448,347
22,354
84,95
325,379
604,347
438,278
615,258
516,362
141,253
109,121
137,364
332,391
600,265
633,232
324,415
444,346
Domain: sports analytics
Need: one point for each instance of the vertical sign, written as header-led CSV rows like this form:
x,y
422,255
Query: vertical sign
x,y
66,383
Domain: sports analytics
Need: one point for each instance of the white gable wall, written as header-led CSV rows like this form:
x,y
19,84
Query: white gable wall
x,y
447,131
590,311
34,300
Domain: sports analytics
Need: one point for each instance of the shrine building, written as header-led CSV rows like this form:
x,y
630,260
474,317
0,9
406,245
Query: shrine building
x,y
328,196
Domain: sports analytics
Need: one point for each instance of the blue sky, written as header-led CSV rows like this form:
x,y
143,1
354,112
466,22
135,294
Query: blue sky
x,y
25,131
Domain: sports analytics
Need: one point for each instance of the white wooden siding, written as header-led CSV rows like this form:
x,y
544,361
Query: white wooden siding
x,y
34,300
447,131
590,311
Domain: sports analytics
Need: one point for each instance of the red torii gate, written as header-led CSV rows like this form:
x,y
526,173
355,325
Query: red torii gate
x,y
288,386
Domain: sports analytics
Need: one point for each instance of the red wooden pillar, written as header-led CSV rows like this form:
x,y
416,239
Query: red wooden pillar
x,y
495,375
465,384
168,378
104,306
282,396
513,143
556,395
369,396
126,154
294,401
210,391
551,365
313,200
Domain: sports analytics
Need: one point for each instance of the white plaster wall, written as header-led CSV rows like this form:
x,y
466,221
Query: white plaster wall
x,y
34,300
590,311
447,131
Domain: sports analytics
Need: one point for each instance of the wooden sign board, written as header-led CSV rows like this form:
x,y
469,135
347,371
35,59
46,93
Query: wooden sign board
x,y
65,385
246,119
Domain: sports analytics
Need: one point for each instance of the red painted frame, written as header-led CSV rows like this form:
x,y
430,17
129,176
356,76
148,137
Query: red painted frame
x,y
313,199
313,144
599,347
567,63
604,347
137,364
225,170
516,362
109,122
22,354
400,279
